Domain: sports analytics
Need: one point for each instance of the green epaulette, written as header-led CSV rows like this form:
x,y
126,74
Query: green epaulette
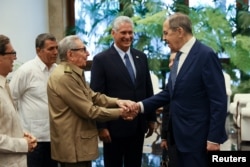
x,y
67,69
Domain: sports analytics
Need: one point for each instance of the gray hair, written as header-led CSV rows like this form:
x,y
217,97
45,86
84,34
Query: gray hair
x,y
66,44
41,38
121,19
180,20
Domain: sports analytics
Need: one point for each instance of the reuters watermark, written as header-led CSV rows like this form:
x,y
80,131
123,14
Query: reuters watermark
x,y
226,158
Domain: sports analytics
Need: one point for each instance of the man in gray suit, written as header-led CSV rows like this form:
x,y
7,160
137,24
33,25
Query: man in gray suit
x,y
14,143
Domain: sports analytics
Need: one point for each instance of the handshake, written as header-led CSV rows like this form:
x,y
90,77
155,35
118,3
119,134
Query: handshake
x,y
129,109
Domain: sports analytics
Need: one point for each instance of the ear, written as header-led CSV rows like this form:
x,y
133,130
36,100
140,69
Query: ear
x,y
180,30
38,50
112,33
69,55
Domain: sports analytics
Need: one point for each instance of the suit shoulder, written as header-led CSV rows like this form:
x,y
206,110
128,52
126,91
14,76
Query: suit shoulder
x,y
104,54
67,69
139,53
204,47
133,50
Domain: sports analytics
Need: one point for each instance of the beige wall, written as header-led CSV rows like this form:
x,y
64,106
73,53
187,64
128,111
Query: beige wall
x,y
22,21
57,17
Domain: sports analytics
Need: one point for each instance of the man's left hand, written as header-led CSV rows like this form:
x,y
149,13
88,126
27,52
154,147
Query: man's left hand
x,y
213,146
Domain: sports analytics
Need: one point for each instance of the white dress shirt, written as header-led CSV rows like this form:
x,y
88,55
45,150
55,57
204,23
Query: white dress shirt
x,y
29,90
122,53
185,49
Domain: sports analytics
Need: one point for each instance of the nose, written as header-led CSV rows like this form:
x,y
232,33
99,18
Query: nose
x,y
87,53
56,51
164,39
14,56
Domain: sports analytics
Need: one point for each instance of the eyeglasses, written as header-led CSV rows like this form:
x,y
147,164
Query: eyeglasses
x,y
80,49
8,53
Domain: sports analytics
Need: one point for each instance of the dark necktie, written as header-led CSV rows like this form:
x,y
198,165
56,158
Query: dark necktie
x,y
129,67
174,69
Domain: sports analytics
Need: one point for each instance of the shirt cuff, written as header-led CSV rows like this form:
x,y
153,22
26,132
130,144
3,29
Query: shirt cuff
x,y
212,142
141,106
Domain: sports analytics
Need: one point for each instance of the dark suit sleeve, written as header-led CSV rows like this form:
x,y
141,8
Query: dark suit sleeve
x,y
215,87
154,102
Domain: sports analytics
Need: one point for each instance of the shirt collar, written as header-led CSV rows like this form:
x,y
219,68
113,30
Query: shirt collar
x,y
187,46
121,52
42,65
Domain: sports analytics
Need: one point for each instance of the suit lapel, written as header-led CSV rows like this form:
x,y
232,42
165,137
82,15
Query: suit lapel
x,y
136,59
115,57
188,62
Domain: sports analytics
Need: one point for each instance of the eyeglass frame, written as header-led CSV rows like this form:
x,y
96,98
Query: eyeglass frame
x,y
8,53
84,49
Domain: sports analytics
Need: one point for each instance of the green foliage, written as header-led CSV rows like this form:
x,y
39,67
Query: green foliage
x,y
148,30
244,19
229,36
179,6
243,23
211,27
240,53
150,24
99,13
244,87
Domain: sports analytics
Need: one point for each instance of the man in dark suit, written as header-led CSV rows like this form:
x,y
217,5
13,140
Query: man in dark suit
x,y
198,102
123,140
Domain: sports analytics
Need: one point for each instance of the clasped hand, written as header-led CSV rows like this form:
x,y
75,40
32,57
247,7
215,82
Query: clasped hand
x,y
130,109
32,141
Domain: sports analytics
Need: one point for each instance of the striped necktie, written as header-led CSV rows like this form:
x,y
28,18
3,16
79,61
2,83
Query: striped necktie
x,y
129,67
174,69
